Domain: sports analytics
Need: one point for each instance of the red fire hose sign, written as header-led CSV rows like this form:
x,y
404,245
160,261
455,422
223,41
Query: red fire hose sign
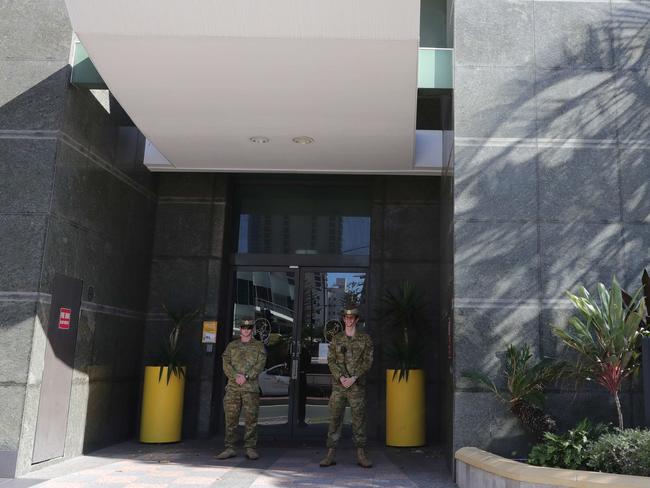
x,y
64,318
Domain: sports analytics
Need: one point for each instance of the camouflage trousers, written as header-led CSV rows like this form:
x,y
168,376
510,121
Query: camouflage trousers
x,y
355,396
233,401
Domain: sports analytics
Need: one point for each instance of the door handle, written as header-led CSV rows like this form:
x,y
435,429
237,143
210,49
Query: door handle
x,y
294,349
294,369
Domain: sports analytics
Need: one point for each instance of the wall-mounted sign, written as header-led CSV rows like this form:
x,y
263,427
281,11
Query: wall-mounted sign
x,y
209,332
64,318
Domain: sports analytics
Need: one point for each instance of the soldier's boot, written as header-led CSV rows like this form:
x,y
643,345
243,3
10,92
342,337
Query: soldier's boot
x,y
227,453
328,460
251,454
362,459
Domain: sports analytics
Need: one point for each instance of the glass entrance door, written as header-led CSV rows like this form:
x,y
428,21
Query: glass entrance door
x,y
324,294
296,313
269,297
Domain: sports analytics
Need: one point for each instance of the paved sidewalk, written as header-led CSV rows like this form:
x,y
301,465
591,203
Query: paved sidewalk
x,y
193,465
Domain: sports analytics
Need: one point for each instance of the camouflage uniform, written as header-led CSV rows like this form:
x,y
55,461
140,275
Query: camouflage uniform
x,y
247,358
349,356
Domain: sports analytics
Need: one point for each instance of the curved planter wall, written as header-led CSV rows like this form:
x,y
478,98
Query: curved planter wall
x,y
480,469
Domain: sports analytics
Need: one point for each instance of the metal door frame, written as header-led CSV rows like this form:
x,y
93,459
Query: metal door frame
x,y
298,313
296,337
315,269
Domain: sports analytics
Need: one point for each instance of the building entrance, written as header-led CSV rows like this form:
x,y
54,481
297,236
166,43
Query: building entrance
x,y
297,311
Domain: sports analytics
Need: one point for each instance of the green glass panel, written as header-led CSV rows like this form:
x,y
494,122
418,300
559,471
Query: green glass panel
x,y
435,68
84,73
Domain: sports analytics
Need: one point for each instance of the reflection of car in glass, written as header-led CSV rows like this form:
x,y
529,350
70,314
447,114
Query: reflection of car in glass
x,y
274,381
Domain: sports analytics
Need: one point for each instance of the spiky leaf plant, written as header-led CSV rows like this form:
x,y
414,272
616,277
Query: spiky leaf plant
x,y
171,347
606,334
402,312
524,393
645,285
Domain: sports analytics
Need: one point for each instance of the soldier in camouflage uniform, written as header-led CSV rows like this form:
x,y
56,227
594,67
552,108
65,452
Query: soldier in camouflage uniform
x,y
349,359
243,361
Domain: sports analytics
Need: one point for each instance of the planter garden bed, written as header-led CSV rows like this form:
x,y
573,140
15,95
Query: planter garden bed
x,y
480,469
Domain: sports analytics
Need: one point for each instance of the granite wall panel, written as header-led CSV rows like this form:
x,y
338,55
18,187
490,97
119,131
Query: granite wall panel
x,y
550,172
11,406
633,108
21,250
508,24
630,34
496,183
495,101
635,184
26,172
579,253
483,335
35,30
406,244
499,432
32,94
576,103
496,260
573,34
560,169
187,274
16,329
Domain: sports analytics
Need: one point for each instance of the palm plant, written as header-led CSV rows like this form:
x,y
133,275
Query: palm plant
x,y
607,337
171,348
525,383
402,311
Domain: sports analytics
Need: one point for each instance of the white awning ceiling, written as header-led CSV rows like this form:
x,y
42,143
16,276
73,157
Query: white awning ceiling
x,y
200,78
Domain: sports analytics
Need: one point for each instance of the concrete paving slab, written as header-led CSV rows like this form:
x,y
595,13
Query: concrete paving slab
x,y
193,464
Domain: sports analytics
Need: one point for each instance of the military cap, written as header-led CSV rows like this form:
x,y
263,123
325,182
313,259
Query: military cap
x,y
351,311
246,323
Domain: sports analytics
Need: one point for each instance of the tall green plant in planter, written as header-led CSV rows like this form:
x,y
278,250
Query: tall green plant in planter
x,y
402,311
606,334
162,401
171,344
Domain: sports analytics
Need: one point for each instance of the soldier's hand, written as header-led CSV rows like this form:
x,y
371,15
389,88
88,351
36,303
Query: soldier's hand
x,y
240,379
347,382
353,380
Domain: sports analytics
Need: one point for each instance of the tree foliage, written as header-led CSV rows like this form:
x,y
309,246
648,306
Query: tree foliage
x,y
606,334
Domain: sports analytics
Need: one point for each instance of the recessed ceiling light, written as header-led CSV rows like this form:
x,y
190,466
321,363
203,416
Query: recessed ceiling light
x,y
303,140
259,139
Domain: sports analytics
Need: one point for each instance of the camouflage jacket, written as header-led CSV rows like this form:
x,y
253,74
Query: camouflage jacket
x,y
247,358
350,356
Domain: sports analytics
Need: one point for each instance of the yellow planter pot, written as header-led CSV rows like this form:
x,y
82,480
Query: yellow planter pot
x,y
405,409
162,407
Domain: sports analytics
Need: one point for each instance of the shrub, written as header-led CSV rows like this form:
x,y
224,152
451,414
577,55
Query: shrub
x,y
623,452
607,337
568,450
525,387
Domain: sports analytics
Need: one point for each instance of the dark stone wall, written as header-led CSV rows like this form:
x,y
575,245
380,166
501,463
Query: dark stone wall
x,y
74,199
551,187
406,245
101,231
187,271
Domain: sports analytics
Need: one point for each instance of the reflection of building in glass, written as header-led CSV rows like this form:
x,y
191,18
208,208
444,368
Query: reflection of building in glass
x,y
291,234
304,234
335,299
265,294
